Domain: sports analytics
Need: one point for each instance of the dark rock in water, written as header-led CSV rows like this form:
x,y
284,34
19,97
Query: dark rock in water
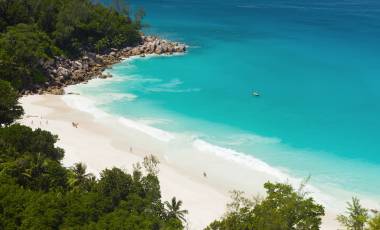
x,y
104,76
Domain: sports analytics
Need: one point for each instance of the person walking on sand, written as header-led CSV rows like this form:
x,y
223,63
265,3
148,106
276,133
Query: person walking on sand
x,y
204,175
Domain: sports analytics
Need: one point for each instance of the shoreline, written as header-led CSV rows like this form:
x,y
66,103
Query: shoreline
x,y
100,145
177,163
101,141
62,72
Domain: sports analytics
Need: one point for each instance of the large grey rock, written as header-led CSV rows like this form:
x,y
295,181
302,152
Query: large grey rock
x,y
61,71
78,65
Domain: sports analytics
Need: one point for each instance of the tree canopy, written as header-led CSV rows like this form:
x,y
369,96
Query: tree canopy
x,y
374,222
283,208
9,106
37,192
34,31
23,50
358,217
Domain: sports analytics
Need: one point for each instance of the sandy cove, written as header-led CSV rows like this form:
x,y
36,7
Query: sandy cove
x,y
102,141
100,146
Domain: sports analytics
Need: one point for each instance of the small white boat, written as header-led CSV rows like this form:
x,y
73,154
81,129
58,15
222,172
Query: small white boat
x,y
256,94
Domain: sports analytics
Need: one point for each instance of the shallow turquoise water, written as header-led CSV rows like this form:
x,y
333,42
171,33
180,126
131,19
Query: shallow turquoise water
x,y
316,65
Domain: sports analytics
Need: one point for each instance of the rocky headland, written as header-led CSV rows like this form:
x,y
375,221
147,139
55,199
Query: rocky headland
x,y
62,72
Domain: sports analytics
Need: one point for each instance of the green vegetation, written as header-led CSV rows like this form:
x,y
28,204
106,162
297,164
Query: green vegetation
x,y
23,49
34,31
84,26
9,107
37,192
174,209
374,222
358,217
283,208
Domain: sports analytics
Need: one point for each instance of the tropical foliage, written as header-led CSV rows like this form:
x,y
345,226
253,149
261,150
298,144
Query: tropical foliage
x,y
34,31
374,222
9,107
283,208
37,192
23,48
358,218
174,209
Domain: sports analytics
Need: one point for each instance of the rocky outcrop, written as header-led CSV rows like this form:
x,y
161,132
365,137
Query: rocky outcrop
x,y
154,45
62,72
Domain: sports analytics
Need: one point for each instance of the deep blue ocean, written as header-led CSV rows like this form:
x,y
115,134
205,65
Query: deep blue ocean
x,y
316,65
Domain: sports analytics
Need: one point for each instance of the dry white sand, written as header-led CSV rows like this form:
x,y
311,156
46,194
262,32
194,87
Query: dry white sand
x,y
103,141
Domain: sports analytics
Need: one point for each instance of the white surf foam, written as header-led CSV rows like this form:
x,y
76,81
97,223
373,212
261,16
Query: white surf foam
x,y
240,158
153,121
239,139
151,131
261,166
84,104
171,86
89,106
106,98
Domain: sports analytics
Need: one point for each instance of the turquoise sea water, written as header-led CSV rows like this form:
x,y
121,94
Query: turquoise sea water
x,y
315,63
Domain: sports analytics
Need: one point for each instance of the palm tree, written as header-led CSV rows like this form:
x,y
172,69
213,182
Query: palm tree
x,y
36,167
79,176
173,209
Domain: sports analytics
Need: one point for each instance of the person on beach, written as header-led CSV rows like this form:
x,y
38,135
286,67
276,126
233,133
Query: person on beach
x,y
130,149
75,125
204,175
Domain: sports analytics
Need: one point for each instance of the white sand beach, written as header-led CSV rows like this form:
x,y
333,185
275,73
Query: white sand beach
x,y
104,141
